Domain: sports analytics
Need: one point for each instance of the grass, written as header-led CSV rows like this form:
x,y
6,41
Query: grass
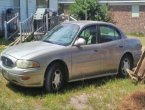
x,y
3,41
102,94
3,44
137,34
140,37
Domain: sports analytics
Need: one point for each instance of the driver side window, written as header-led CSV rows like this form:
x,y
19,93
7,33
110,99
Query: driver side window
x,y
89,34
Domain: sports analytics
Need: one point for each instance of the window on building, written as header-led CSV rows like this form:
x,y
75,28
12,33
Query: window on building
x,y
135,10
42,3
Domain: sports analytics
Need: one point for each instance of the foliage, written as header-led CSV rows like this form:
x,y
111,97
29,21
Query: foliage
x,y
90,10
3,41
3,44
2,47
137,34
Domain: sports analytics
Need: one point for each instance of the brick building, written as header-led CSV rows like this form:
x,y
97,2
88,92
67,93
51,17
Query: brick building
x,y
129,15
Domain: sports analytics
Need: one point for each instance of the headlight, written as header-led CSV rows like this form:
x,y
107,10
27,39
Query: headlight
x,y
26,64
0,56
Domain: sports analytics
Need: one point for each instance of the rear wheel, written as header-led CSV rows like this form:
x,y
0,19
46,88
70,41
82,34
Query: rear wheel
x,y
54,78
126,63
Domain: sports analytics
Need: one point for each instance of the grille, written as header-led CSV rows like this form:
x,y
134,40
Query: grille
x,y
7,62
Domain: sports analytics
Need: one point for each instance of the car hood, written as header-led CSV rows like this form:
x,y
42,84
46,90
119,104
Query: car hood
x,y
25,49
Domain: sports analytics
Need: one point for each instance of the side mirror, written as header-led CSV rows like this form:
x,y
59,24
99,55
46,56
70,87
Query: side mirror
x,y
80,41
47,32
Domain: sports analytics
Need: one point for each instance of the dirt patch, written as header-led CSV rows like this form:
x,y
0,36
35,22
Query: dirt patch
x,y
80,102
39,105
135,101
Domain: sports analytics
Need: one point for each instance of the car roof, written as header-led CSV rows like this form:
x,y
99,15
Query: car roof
x,y
84,23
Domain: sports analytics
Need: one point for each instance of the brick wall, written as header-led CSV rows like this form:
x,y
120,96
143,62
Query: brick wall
x,y
122,17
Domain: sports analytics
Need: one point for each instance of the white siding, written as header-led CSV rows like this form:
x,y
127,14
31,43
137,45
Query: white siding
x,y
27,8
4,4
23,9
66,1
53,4
31,7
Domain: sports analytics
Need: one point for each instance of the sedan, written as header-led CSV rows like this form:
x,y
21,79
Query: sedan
x,y
70,52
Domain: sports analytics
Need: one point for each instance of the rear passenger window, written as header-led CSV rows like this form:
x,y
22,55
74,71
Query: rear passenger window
x,y
108,33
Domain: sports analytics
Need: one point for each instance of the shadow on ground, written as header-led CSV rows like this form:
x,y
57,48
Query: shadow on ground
x,y
96,82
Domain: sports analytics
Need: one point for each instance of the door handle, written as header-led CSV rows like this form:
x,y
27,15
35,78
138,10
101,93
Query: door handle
x,y
121,46
95,50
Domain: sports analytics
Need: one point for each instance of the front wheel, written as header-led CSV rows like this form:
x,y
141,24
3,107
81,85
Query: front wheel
x,y
125,63
54,78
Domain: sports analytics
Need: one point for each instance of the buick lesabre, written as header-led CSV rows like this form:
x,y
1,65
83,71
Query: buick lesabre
x,y
71,51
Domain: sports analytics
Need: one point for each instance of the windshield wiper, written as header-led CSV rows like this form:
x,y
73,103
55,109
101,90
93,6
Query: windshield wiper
x,y
48,41
53,42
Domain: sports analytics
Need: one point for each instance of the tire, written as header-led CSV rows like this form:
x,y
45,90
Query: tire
x,y
54,78
125,63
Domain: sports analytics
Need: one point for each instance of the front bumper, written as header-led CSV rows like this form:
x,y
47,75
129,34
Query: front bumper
x,y
32,77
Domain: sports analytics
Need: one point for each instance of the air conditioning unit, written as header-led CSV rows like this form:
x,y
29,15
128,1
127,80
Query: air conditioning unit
x,y
40,12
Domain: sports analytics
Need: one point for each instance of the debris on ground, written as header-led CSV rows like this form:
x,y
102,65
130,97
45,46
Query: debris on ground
x,y
138,74
80,102
135,101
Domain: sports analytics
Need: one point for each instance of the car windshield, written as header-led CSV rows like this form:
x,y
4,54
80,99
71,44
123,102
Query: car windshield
x,y
62,34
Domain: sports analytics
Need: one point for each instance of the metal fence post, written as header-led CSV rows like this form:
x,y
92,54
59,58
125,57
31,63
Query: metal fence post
x,y
20,26
33,24
6,31
17,20
68,17
47,23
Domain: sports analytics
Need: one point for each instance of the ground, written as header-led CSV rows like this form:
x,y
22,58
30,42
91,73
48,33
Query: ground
x,y
135,101
96,94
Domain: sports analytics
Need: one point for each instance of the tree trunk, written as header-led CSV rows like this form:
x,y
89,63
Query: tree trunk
x,y
86,15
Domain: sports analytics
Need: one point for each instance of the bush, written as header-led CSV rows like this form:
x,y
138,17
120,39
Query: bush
x,y
89,10
3,41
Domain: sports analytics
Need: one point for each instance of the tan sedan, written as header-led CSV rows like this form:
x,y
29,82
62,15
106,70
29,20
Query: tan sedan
x,y
71,51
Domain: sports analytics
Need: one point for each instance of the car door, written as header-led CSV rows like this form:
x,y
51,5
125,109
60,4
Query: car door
x,y
112,48
86,60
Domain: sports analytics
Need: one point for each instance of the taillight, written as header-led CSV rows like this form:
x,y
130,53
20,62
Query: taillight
x,y
139,46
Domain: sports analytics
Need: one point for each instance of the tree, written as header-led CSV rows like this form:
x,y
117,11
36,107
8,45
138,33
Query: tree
x,y
89,10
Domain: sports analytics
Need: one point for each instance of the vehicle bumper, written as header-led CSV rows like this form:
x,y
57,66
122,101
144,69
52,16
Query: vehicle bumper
x,y
23,77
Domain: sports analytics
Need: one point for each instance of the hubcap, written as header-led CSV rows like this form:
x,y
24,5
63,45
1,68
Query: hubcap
x,y
125,65
57,79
